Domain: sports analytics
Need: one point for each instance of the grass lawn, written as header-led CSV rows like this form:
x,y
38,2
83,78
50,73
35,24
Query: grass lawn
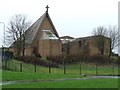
x,y
13,76
0,74
88,69
88,83
0,78
72,71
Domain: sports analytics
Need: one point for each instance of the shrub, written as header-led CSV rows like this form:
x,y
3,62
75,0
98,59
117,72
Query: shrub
x,y
100,59
65,59
57,59
37,61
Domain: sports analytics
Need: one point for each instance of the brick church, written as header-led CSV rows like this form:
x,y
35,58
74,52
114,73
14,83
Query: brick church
x,y
43,38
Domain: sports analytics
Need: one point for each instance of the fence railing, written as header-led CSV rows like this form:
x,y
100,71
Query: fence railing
x,y
76,69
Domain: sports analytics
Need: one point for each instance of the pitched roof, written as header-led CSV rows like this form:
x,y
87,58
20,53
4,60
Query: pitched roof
x,y
66,37
89,37
31,33
32,30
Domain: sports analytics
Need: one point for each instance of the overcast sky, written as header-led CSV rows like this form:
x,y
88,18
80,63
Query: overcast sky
x,y
75,18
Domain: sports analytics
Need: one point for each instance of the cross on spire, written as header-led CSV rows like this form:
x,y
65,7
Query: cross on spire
x,y
47,8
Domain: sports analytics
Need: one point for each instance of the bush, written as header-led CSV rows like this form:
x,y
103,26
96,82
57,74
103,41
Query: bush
x,y
69,59
37,61
65,59
114,59
100,59
57,59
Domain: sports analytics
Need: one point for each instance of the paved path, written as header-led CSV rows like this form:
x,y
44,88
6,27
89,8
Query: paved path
x,y
52,80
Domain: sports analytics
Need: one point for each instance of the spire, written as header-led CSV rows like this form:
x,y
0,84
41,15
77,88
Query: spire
x,y
47,8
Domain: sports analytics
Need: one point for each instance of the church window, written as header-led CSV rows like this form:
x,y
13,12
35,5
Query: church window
x,y
48,35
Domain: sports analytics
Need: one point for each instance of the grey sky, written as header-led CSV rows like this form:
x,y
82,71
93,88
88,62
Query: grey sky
x,y
76,18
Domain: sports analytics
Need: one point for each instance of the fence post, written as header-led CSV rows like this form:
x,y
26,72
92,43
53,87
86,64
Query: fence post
x,y
113,69
35,68
2,64
49,69
20,67
96,69
5,64
118,63
15,68
64,68
9,65
80,68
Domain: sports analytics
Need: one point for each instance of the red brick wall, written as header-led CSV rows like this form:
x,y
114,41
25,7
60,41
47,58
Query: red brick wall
x,y
93,50
75,49
50,48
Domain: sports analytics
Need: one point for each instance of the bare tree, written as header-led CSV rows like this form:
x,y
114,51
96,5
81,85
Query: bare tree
x,y
16,32
110,32
113,34
100,33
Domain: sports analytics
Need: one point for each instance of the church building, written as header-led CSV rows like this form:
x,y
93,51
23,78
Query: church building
x,y
42,38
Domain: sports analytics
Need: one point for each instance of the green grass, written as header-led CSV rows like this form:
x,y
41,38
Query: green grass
x,y
88,83
13,76
89,69
0,78
0,74
72,71
15,66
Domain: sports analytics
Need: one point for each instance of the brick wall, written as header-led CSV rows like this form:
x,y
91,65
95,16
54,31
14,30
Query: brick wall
x,y
76,49
49,48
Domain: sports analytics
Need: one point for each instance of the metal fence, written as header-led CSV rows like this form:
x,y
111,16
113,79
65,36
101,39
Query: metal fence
x,y
76,69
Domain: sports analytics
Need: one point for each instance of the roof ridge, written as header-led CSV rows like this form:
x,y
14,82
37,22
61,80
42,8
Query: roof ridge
x,y
32,30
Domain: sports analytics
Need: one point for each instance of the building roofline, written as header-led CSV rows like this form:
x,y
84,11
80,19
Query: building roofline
x,y
91,37
67,37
